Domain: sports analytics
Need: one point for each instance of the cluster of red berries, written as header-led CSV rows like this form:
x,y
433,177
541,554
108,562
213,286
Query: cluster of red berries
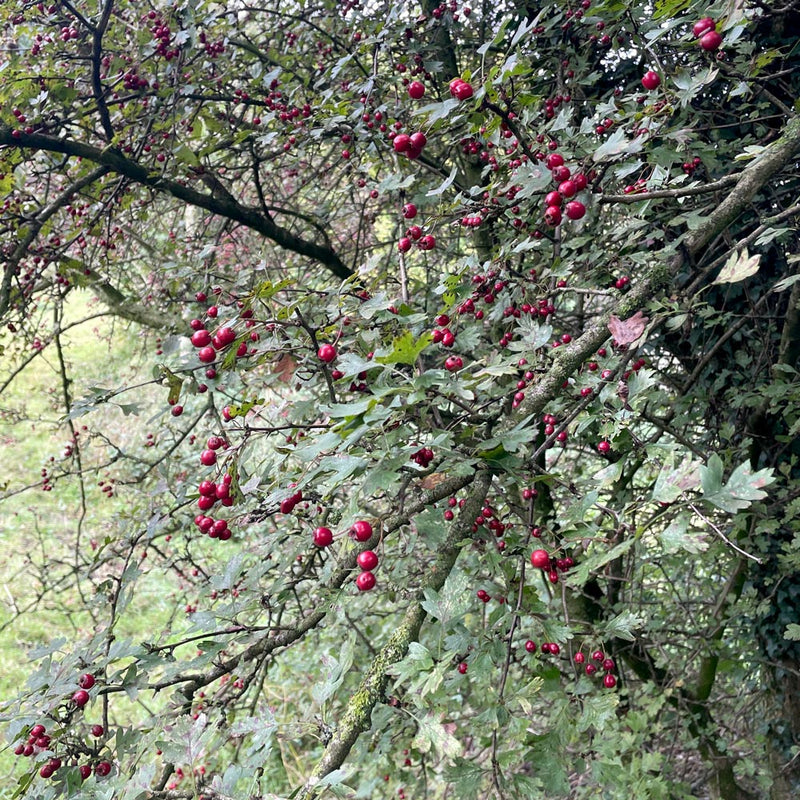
x,y
548,648
568,186
550,421
705,31
209,345
409,145
209,456
367,560
606,664
210,494
541,559
690,166
39,741
423,457
460,89
640,187
287,506
415,234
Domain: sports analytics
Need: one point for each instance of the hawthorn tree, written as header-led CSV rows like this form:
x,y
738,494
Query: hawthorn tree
x,y
467,461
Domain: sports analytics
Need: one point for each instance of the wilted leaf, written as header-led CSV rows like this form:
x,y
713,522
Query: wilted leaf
x,y
785,283
628,330
284,368
738,267
433,480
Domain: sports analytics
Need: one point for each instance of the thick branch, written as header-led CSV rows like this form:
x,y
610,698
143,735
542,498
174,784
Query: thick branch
x,y
356,717
263,647
221,205
750,182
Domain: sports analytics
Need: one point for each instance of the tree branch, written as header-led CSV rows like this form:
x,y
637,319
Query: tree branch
x,y
113,160
356,717
753,178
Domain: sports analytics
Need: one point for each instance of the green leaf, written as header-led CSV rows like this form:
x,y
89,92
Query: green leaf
x,y
405,350
453,600
431,734
337,669
622,625
598,709
618,144
418,659
792,632
677,536
446,184
743,487
593,562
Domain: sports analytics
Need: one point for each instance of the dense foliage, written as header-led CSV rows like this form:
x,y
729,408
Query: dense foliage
x,y
447,444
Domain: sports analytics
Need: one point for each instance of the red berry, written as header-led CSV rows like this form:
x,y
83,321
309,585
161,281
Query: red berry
x,y
365,581
326,353
401,142
416,90
530,646
207,354
567,188
598,655
552,216
323,537
710,41
591,669
201,338
80,698
208,458
86,681
702,26
367,560
609,681
84,770
102,769
608,664
575,209
460,89
651,80
361,530
462,667
553,199
97,730
540,559
409,211
579,658
418,140
604,446
404,244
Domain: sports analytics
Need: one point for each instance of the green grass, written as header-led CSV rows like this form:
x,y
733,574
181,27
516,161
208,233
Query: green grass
x,y
38,528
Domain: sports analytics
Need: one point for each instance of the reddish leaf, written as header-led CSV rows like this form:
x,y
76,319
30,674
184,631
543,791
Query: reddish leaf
x,y
626,331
